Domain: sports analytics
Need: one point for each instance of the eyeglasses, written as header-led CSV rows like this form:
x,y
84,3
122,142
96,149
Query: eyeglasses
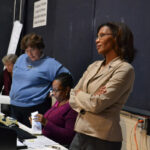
x,y
102,35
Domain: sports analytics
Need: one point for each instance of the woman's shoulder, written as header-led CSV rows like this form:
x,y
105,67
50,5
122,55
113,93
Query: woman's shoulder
x,y
127,65
71,113
21,57
67,108
119,63
52,61
125,68
5,72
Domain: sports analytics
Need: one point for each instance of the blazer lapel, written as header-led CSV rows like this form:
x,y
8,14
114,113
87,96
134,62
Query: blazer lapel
x,y
113,64
91,74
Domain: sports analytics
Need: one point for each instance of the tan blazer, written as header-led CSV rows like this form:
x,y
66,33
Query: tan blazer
x,y
99,115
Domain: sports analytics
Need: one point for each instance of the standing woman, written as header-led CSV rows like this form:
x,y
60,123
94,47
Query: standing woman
x,y
102,91
33,74
6,79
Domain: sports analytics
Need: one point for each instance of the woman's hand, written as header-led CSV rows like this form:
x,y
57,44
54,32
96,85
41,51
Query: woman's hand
x,y
40,118
100,91
76,91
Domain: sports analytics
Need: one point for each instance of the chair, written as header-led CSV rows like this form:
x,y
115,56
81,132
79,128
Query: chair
x,y
8,139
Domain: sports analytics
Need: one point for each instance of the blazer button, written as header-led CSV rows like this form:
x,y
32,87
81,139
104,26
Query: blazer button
x,y
82,111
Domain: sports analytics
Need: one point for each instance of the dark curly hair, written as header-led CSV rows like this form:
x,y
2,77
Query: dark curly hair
x,y
65,79
124,39
32,40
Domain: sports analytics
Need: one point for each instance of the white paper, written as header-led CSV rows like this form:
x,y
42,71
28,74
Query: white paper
x,y
20,144
4,99
15,35
43,143
36,126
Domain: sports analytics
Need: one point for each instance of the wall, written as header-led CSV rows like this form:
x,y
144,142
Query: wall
x,y
71,30
6,21
68,34
134,14
10,11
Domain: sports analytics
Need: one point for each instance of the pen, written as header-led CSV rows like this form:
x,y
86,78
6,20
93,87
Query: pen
x,y
53,146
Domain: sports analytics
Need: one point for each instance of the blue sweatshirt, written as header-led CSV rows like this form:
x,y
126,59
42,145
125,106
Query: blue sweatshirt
x,y
32,80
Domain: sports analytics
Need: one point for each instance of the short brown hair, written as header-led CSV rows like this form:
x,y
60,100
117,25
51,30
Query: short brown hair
x,y
32,40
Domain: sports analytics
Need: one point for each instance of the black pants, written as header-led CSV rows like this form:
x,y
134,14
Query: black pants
x,y
22,114
85,142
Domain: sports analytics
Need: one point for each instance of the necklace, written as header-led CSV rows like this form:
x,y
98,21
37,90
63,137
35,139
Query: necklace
x,y
29,66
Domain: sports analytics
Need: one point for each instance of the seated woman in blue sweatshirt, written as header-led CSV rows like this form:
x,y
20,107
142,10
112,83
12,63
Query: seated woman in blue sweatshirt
x,y
33,74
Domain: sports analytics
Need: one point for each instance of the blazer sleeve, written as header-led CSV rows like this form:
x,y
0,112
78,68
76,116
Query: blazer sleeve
x,y
72,99
120,83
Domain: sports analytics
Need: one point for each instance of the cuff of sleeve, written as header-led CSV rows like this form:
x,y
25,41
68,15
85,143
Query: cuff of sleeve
x,y
83,100
72,101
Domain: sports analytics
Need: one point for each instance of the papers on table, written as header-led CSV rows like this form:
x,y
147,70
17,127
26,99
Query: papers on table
x,y
42,142
20,145
27,129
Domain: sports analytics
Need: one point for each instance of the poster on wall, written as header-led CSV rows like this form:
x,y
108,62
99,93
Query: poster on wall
x,y
40,13
15,36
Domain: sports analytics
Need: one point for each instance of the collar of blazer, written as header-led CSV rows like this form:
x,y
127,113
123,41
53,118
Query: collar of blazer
x,y
112,65
93,72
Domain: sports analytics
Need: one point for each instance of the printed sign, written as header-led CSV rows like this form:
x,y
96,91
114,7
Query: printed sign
x,y
40,13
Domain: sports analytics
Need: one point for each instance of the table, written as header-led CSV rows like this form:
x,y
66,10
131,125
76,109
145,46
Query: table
x,y
41,142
